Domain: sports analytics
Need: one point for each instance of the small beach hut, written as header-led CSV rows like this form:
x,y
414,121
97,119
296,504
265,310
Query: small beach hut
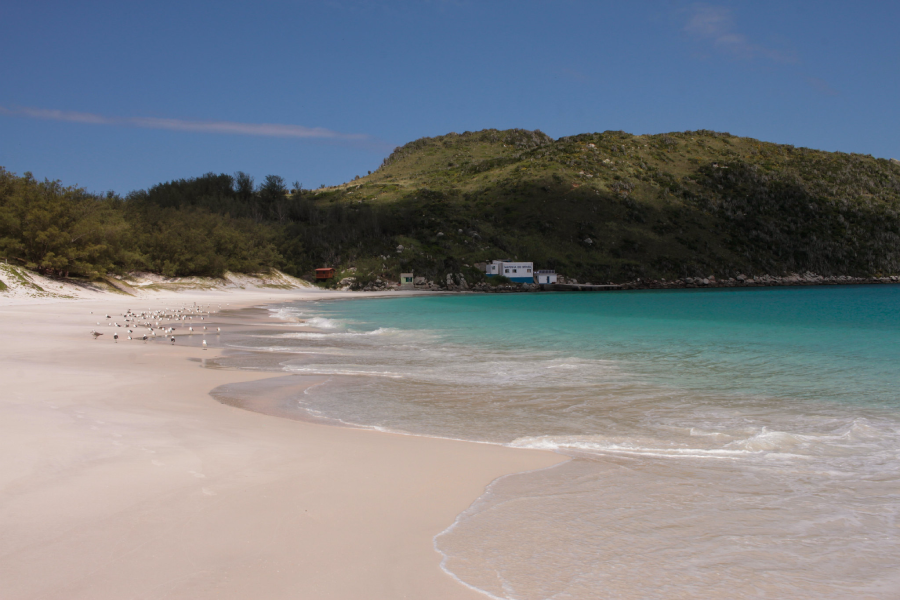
x,y
545,276
324,273
406,281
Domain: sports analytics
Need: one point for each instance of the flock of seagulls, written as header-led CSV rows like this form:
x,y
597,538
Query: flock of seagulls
x,y
159,321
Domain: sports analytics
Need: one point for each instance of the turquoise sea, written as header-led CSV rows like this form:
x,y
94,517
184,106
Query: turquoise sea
x,y
723,443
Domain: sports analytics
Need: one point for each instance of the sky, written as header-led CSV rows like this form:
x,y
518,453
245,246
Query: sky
x,y
123,95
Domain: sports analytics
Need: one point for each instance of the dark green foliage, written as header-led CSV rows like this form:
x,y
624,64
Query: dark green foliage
x,y
56,229
783,222
179,228
194,241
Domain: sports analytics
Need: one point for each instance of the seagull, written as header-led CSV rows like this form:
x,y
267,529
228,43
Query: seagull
x,y
191,329
218,330
116,337
144,338
95,334
173,340
204,344
129,337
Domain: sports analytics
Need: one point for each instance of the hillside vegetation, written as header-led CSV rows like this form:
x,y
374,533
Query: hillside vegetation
x,y
600,207
613,206
65,231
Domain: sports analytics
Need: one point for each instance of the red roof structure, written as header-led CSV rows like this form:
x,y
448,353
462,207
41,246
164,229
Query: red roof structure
x,y
324,273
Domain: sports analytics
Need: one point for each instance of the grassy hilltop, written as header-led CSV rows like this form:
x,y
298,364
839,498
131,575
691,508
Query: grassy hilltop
x,y
613,206
599,207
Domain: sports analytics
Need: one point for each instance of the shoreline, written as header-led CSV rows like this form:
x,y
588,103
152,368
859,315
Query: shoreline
x,y
742,282
27,287
125,478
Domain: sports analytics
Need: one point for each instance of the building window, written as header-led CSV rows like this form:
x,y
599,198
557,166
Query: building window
x,y
529,270
507,270
515,271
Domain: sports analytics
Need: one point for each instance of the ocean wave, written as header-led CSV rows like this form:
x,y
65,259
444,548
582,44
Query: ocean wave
x,y
772,441
596,445
312,335
325,370
854,440
322,323
285,313
285,350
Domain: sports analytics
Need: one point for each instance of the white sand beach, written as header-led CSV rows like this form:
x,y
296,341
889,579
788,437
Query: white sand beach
x,y
122,478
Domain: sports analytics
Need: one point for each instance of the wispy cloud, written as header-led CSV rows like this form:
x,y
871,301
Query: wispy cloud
x,y
277,130
715,24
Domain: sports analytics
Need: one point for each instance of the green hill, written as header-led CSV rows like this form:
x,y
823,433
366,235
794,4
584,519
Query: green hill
x,y
613,206
598,207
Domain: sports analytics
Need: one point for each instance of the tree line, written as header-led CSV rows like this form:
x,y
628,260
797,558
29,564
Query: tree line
x,y
201,226
175,228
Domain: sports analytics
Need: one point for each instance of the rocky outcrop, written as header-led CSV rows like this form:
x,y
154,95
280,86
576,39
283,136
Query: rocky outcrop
x,y
380,285
793,279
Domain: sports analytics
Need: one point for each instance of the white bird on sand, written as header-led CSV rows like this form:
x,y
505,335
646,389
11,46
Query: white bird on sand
x,y
129,337
218,330
173,340
191,329
204,344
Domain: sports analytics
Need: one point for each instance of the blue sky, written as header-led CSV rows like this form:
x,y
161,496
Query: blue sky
x,y
123,95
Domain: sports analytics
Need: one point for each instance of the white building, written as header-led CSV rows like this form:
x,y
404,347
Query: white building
x,y
545,276
520,272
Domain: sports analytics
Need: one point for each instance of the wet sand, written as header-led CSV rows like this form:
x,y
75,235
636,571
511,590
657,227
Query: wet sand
x,y
122,478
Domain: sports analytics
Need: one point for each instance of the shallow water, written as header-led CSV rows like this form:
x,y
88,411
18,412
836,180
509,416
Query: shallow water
x,y
728,443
